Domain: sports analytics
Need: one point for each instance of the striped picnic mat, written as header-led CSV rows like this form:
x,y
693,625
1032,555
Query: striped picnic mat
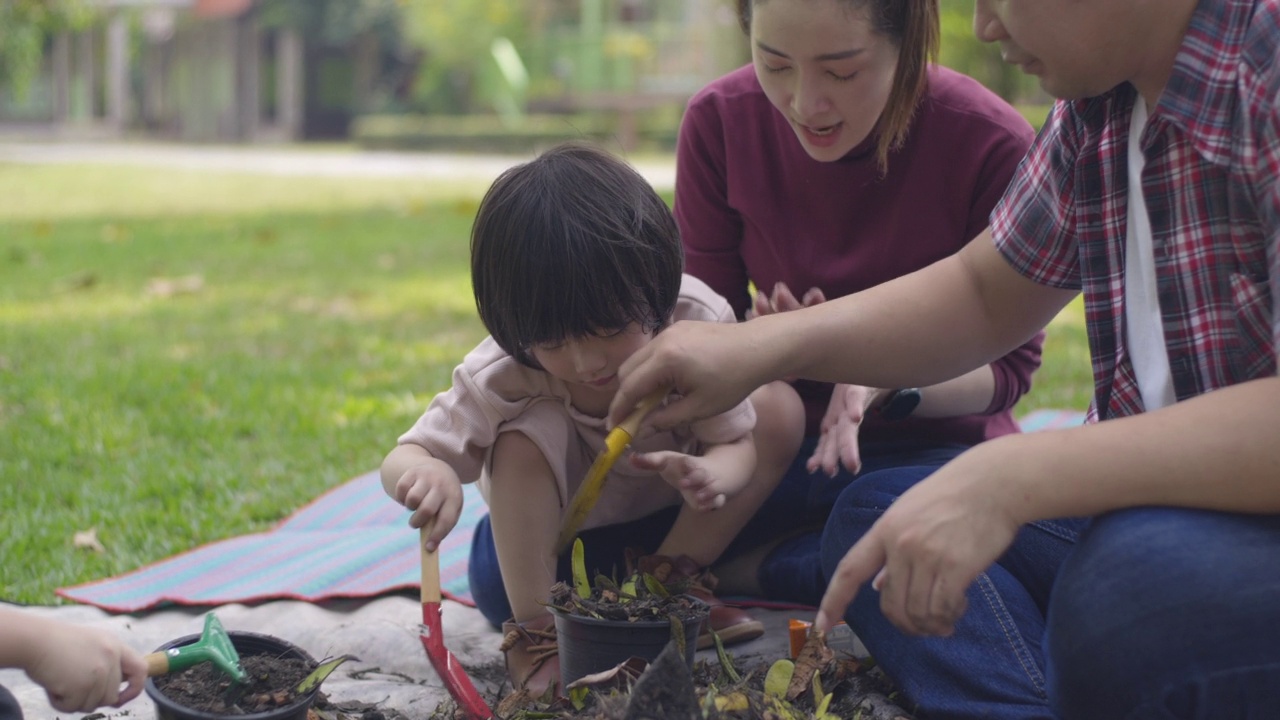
x,y
351,542
1050,420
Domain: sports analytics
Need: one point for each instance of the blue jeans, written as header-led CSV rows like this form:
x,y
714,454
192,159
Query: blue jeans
x,y
800,506
993,666
604,549
9,707
1167,613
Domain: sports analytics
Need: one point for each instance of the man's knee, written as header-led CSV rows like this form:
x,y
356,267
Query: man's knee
x,y
9,707
1155,599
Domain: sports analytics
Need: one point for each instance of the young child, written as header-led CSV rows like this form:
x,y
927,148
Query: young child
x,y
576,263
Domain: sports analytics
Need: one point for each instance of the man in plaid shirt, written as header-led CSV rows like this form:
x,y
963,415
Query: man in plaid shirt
x,y
1169,604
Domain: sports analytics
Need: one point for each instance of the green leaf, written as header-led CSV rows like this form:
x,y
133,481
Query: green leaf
x,y
825,703
321,672
581,584
726,663
578,696
779,678
654,586
604,583
677,632
709,700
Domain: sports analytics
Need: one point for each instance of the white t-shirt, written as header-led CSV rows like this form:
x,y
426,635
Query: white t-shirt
x,y
1144,325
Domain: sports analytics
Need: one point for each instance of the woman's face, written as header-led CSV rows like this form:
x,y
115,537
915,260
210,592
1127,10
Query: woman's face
x,y
825,69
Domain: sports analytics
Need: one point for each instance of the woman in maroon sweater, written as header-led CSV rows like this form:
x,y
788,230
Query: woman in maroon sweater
x,y
839,159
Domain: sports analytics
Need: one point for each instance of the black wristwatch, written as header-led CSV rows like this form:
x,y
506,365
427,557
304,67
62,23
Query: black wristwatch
x,y
899,404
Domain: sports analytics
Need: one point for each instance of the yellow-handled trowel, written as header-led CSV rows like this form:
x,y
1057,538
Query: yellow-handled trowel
x,y
614,443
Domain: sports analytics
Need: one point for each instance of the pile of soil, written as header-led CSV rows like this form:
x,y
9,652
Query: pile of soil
x,y
272,683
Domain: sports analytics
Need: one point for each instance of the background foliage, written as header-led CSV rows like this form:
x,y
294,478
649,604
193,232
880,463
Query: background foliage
x,y
24,27
443,47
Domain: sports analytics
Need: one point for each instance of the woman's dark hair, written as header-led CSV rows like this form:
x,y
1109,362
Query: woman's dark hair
x,y
571,243
912,25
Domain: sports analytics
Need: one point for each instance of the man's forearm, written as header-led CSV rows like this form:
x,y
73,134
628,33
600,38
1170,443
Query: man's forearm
x,y
921,329
1217,451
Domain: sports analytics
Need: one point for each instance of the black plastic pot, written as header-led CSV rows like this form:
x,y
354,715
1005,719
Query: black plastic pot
x,y
590,645
246,644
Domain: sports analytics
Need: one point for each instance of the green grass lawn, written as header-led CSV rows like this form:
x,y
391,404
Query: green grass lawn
x,y
170,377
186,356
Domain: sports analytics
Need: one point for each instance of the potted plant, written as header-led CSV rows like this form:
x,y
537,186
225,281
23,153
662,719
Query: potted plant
x,y
277,679
603,624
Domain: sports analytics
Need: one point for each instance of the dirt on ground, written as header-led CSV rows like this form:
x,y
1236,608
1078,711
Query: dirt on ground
x,y
820,686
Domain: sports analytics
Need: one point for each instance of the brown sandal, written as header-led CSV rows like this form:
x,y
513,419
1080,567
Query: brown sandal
x,y
532,656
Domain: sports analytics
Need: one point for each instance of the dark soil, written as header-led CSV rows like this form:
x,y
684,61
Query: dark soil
x,y
604,603
272,683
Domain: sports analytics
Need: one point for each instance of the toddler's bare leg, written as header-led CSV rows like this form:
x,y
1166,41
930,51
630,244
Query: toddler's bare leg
x,y
779,430
524,508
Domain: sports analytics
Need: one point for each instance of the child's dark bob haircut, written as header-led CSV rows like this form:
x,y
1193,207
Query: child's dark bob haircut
x,y
572,243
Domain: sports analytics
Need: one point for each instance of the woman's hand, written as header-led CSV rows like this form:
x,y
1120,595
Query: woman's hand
x,y
838,441
782,300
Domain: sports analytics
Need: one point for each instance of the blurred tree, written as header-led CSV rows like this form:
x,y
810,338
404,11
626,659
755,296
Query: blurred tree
x,y
336,22
25,25
962,51
457,37
357,55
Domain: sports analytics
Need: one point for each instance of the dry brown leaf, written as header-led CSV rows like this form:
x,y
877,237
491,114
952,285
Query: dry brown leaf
x,y
813,658
513,703
168,287
87,540
621,676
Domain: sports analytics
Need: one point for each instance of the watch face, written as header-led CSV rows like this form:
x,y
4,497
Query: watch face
x,y
900,404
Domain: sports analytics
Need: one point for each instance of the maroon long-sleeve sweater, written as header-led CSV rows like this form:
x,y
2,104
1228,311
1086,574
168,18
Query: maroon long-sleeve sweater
x,y
754,207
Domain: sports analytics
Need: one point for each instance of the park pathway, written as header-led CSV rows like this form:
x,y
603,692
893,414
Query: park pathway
x,y
296,160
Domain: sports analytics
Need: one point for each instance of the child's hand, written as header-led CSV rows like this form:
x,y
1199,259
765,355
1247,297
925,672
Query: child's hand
x,y
432,491
688,474
81,668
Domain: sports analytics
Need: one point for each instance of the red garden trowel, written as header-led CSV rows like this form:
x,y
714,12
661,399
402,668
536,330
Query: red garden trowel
x,y
446,665
213,646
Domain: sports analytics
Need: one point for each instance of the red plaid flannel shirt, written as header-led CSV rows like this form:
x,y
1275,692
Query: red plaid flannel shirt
x,y
1212,187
